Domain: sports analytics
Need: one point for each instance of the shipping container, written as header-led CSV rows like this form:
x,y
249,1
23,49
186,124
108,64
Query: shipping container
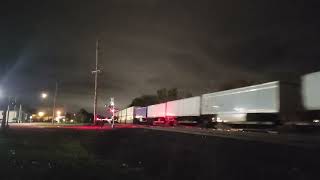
x,y
141,112
123,115
129,115
184,107
157,110
311,91
13,116
234,105
132,115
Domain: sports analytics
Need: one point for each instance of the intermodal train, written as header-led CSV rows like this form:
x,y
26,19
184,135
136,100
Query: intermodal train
x,y
263,104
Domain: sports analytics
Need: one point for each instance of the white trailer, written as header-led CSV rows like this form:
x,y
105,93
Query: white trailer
x,y
120,116
184,107
116,114
13,116
157,110
310,85
311,91
123,115
133,115
129,115
234,105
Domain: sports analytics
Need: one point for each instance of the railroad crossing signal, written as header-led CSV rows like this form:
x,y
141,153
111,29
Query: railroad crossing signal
x,y
112,102
112,110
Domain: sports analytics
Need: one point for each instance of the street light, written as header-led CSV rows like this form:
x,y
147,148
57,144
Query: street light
x,y
44,95
58,113
41,114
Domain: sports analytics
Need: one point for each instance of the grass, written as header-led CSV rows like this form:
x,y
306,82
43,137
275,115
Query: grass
x,y
53,153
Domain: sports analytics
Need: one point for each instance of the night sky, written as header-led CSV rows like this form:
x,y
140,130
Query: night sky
x,y
193,45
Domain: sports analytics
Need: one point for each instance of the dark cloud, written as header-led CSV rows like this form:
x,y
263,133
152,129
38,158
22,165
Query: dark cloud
x,y
150,44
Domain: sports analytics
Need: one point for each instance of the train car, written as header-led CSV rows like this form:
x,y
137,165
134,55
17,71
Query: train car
x,y
311,96
156,114
130,114
123,116
140,115
266,103
272,103
116,116
133,115
184,110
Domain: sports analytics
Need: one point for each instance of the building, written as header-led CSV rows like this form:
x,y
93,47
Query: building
x,y
14,116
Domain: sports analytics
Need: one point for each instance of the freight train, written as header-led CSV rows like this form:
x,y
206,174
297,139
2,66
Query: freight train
x,y
270,103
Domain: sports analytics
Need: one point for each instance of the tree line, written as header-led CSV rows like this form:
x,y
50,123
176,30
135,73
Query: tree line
x,y
161,96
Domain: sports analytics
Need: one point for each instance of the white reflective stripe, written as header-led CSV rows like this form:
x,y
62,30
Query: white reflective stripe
x,y
217,94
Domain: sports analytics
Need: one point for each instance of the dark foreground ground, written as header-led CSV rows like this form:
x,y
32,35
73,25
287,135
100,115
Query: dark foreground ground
x,y
130,153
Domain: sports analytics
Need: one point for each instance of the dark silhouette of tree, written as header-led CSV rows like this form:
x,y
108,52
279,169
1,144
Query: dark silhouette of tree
x,y
144,100
162,95
69,116
184,94
83,116
173,94
236,84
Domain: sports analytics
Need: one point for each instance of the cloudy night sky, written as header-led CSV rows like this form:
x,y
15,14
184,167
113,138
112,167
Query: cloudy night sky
x,y
150,44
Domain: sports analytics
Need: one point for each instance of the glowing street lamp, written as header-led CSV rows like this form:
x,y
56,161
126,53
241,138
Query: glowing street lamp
x,y
41,114
58,113
44,95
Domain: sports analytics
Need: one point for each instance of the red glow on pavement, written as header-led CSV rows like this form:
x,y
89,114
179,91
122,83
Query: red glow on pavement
x,y
106,127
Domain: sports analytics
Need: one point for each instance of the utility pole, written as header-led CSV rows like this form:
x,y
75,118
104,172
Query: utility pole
x,y
7,116
4,118
15,106
54,102
20,114
95,72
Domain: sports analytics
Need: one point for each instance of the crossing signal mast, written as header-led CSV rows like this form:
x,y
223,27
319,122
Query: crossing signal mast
x,y
112,110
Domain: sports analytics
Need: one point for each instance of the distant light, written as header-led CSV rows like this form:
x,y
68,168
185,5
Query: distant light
x,y
58,113
41,113
215,106
219,120
316,121
44,95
